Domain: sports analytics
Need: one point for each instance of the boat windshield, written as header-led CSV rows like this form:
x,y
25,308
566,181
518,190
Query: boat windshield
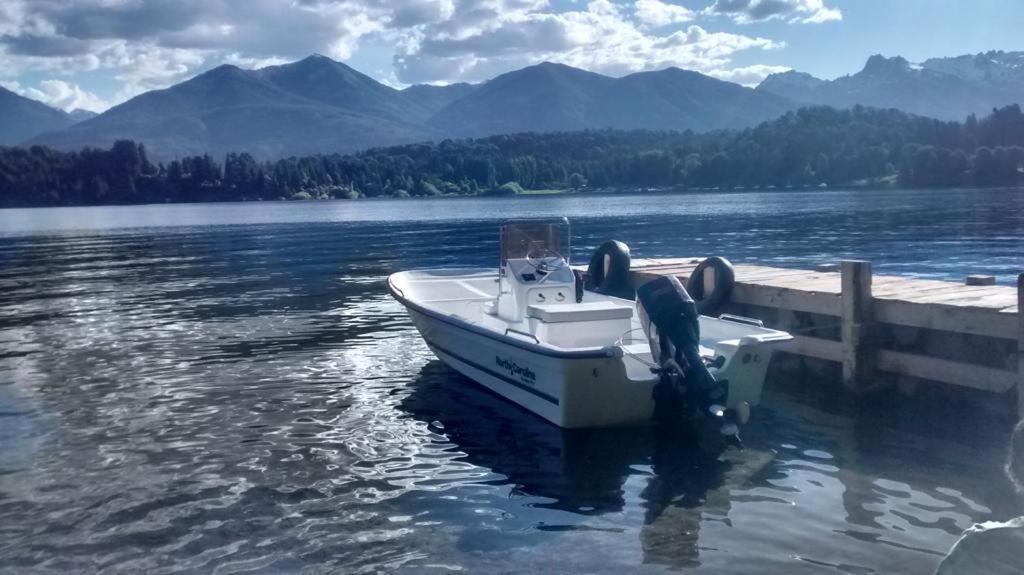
x,y
535,240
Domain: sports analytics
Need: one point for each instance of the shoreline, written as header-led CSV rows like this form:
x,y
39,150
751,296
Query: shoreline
x,y
639,192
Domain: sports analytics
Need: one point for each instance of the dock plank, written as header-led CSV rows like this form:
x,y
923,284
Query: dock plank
x,y
785,298
965,320
895,285
805,283
992,301
752,273
945,371
928,291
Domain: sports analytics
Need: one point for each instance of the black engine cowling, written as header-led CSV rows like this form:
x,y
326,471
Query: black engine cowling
x,y
686,388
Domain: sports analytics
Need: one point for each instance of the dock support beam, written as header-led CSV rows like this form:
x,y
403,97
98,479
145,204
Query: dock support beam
x,y
856,324
1020,346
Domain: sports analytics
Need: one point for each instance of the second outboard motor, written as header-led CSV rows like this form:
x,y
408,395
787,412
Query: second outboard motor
x,y
686,389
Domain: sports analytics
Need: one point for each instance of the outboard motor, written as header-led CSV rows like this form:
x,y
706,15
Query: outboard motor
x,y
686,391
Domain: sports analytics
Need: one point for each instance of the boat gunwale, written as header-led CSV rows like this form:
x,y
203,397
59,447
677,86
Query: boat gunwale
x,y
548,351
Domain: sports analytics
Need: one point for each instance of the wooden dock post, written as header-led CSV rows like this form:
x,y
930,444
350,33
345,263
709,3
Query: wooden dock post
x,y
1020,346
856,323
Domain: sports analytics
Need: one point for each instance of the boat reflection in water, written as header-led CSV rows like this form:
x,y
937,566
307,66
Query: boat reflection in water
x,y
585,471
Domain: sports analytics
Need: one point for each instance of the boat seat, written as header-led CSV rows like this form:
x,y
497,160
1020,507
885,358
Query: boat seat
x,y
586,311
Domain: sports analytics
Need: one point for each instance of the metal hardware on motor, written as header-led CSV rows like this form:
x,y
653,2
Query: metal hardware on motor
x,y
717,362
741,319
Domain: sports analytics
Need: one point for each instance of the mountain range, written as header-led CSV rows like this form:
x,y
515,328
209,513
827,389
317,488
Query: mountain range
x,y
314,105
319,105
944,88
24,117
555,97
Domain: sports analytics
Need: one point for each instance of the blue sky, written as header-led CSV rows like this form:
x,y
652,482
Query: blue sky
x,y
96,53
914,29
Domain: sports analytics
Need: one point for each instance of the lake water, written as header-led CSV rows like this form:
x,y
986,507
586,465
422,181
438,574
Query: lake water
x,y
229,387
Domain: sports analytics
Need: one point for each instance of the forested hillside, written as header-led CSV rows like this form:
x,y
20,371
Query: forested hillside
x,y
807,148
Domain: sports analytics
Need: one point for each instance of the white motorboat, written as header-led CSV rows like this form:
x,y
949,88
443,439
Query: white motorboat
x,y
578,358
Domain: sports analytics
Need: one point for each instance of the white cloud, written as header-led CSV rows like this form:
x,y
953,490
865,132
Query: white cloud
x,y
143,67
824,15
139,45
749,76
146,44
61,95
600,37
658,13
793,11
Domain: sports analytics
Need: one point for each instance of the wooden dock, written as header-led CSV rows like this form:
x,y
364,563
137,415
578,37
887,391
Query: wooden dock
x,y
883,328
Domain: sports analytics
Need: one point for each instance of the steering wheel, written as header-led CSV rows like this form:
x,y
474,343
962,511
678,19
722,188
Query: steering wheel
x,y
545,261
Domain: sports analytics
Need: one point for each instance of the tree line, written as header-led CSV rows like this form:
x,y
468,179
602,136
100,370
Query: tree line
x,y
811,147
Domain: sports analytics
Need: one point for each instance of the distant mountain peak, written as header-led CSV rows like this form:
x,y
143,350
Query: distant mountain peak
x,y
945,88
880,65
224,71
415,87
669,71
24,118
551,68
317,61
791,84
80,115
794,74
333,75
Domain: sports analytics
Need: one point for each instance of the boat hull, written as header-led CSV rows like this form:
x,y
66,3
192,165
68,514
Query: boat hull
x,y
577,368
571,391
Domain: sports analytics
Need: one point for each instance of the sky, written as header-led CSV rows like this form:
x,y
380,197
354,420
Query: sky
x,y
93,54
